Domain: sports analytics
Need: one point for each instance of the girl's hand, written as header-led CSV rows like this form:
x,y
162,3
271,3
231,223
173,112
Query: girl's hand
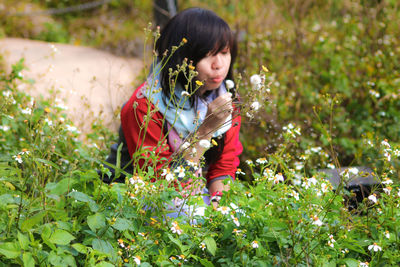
x,y
217,113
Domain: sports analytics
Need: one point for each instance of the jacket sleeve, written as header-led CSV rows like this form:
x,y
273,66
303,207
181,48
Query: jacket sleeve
x,y
142,137
229,160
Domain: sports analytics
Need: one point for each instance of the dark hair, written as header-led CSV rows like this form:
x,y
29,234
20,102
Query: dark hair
x,y
205,33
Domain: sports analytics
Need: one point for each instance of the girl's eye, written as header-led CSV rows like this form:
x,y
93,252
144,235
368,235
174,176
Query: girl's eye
x,y
225,51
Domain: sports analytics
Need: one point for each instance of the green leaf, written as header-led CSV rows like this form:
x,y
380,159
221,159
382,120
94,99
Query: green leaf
x,y
122,225
96,221
10,250
211,245
80,248
46,233
28,260
46,162
176,242
61,237
206,263
80,196
60,187
23,240
350,262
102,246
104,264
35,219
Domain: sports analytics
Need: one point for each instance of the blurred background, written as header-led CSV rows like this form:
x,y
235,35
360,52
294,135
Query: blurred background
x,y
334,64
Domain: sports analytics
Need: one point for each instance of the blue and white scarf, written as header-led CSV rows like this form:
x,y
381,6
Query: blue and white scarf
x,y
180,115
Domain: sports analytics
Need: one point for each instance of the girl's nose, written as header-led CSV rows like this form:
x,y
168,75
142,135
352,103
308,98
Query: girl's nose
x,y
217,62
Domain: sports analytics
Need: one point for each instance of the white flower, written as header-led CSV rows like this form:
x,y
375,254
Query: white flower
x,y
330,166
254,244
181,171
137,259
185,145
169,176
298,165
202,246
278,178
385,143
4,128
396,152
239,171
229,84
249,162
331,241
71,128
353,171
261,161
363,264
387,155
387,190
224,210
373,198
185,93
255,105
316,220
295,195
255,79
192,164
176,229
235,220
18,158
26,111
387,181
374,247
205,143
387,234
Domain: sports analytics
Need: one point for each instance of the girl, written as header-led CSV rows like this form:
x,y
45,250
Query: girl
x,y
165,112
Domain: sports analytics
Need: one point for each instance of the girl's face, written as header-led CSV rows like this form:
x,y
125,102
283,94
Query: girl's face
x,y
213,70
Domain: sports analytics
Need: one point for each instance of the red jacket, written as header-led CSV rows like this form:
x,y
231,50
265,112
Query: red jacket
x,y
132,120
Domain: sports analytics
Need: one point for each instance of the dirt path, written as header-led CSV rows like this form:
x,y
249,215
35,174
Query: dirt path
x,y
91,83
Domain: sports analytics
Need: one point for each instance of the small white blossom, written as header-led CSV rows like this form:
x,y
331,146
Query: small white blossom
x,y
224,210
316,220
278,178
373,198
137,260
387,234
387,180
4,128
255,244
185,145
387,190
255,79
385,143
202,246
387,154
374,247
18,158
261,161
27,111
235,220
180,171
176,229
249,162
229,84
363,264
185,93
331,241
169,176
205,143
255,105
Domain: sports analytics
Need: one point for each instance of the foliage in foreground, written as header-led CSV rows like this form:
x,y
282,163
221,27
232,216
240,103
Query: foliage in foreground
x,y
55,211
